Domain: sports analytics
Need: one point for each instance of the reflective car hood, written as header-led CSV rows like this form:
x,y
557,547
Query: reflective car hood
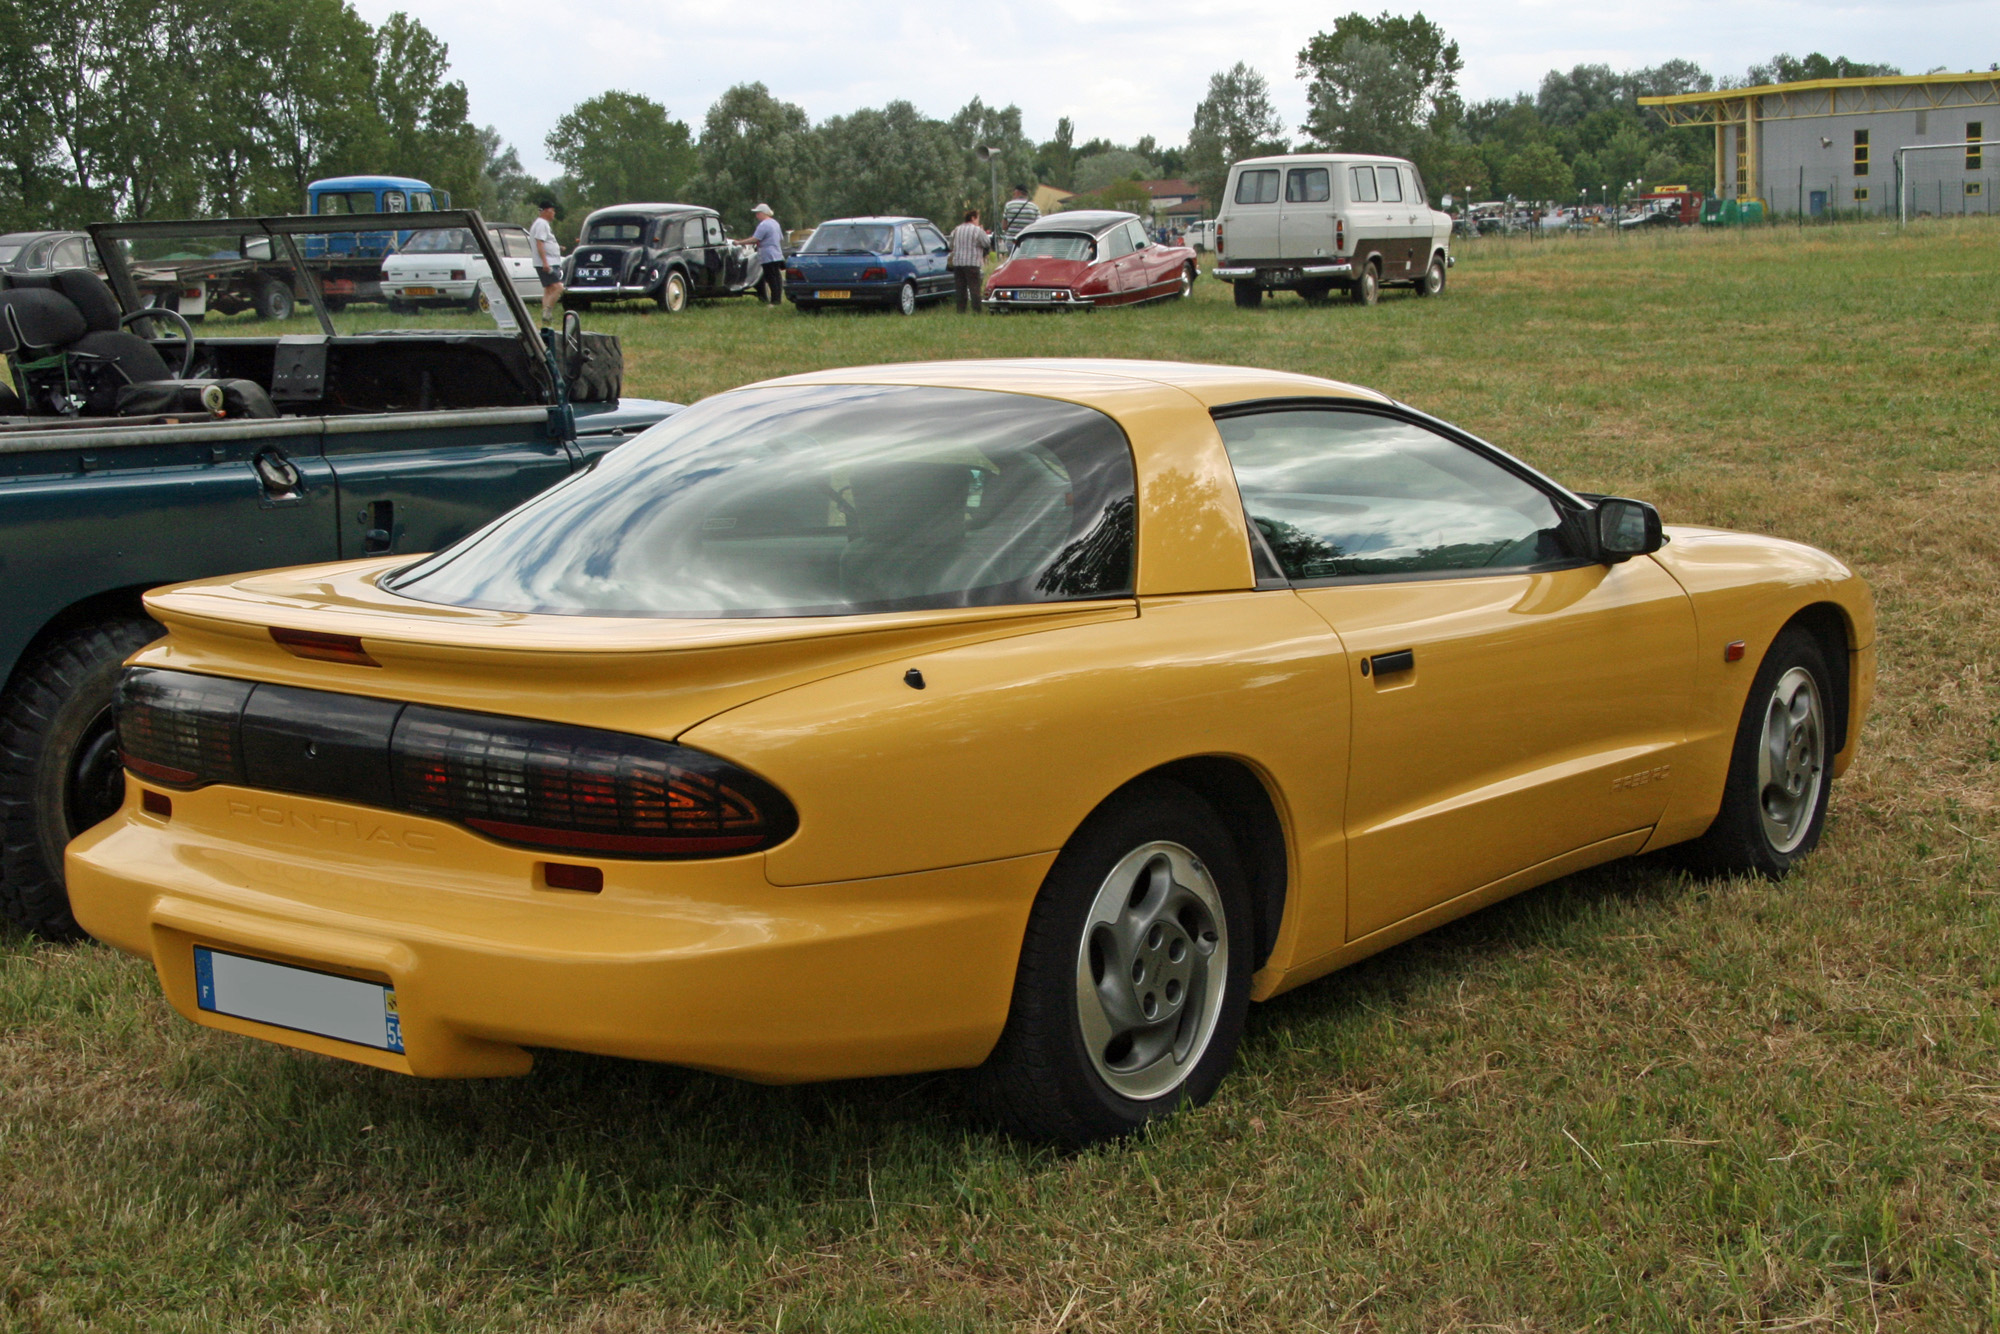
x,y
656,677
1040,272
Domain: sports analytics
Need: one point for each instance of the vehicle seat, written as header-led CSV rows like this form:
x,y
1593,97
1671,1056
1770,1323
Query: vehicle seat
x,y
132,358
71,348
909,522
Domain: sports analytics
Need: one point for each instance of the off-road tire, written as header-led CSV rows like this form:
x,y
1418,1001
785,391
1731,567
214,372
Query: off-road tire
x,y
59,763
1040,1081
1248,296
1738,842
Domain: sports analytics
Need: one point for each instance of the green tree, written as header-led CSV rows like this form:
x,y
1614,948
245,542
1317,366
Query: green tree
x,y
1795,69
895,160
996,127
755,148
1366,100
1055,160
1415,44
424,128
1234,121
1101,169
620,148
1538,172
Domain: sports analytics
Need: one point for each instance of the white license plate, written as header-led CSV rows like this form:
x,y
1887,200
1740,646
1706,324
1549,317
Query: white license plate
x,y
420,291
833,296
594,273
298,998
1030,294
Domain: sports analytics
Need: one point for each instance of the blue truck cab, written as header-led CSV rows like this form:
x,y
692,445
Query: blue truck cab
x,y
345,195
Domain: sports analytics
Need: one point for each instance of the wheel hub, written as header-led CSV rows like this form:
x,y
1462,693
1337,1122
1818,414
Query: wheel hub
x,y
1150,970
1791,758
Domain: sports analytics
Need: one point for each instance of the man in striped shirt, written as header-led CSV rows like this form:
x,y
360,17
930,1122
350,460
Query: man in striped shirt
x,y
969,244
1019,212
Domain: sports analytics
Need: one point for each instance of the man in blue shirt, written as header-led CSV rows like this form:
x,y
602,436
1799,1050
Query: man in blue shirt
x,y
769,239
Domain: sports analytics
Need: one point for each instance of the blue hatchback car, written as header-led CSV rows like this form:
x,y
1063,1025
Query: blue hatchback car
x,y
894,262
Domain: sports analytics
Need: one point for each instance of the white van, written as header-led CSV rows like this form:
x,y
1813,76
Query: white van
x,y
1314,223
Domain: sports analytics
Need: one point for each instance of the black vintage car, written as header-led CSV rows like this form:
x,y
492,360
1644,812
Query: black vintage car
x,y
668,253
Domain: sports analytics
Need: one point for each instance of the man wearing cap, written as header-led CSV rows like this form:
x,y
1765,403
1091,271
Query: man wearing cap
x,y
548,256
769,239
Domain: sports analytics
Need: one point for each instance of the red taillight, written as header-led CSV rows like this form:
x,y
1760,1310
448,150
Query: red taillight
x,y
458,275
546,785
156,803
871,275
795,275
537,784
1218,240
324,647
181,729
564,875
1339,234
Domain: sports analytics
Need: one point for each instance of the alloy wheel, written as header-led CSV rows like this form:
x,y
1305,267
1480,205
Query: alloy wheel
x,y
1791,759
1150,970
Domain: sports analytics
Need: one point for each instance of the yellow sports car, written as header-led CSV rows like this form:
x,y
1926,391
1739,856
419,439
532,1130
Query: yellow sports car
x,y
1034,716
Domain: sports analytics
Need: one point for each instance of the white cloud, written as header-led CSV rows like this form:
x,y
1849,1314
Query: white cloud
x,y
1120,68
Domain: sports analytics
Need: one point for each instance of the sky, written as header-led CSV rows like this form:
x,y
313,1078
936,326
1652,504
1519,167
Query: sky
x,y
1120,69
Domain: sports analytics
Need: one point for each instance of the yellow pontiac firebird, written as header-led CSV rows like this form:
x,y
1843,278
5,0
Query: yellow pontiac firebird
x,y
1034,716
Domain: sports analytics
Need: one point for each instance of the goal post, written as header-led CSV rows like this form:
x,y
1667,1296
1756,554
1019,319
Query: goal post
x,y
1946,171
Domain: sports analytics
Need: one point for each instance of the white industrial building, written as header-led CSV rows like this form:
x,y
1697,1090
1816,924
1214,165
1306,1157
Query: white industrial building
x,y
1831,145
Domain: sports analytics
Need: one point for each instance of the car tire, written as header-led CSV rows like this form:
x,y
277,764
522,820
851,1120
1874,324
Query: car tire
x,y
673,294
1432,283
1187,282
906,299
59,765
274,300
1134,976
1780,767
1249,296
1367,286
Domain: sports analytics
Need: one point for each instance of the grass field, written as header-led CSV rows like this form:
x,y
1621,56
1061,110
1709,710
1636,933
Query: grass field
x,y
1626,1101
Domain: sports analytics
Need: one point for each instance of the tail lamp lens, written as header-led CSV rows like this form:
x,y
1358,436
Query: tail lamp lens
x,y
547,785
535,784
182,730
872,275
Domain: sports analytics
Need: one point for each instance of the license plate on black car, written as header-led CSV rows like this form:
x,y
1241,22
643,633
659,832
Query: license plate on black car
x,y
595,273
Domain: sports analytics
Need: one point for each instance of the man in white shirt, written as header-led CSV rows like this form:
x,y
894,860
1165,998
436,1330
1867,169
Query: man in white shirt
x,y
969,244
548,257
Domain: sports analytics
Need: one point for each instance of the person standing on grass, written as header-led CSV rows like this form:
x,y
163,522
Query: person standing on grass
x,y
769,239
1014,218
548,256
969,244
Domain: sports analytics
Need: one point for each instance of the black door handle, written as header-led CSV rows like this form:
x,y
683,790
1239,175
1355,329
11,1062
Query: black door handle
x,y
1402,660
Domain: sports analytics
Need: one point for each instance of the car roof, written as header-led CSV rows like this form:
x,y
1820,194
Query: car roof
x,y
29,238
1092,220
648,209
1098,382
369,183
1282,159
876,217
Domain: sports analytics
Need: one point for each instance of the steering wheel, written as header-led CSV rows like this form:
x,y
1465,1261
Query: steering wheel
x,y
187,331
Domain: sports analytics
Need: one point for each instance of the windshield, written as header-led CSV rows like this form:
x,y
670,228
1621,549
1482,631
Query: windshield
x,y
355,201
8,252
817,500
440,241
606,230
1055,245
852,238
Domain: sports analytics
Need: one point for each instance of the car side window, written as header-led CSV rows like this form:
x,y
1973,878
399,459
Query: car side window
x,y
1135,235
1361,181
1307,185
1258,187
420,202
69,255
392,201
515,245
712,227
1390,183
933,240
907,234
1413,186
1339,493
1114,244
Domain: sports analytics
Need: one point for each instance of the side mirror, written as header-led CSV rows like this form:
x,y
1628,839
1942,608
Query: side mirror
x,y
1627,528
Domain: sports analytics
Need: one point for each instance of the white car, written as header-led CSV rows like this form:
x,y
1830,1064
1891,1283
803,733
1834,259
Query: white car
x,y
1315,223
440,268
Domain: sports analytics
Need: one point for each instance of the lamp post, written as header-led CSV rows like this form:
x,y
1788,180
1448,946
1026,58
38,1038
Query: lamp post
x,y
991,157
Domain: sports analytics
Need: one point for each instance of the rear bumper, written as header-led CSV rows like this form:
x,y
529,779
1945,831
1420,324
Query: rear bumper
x,y
615,292
1281,275
702,964
1074,302
810,289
